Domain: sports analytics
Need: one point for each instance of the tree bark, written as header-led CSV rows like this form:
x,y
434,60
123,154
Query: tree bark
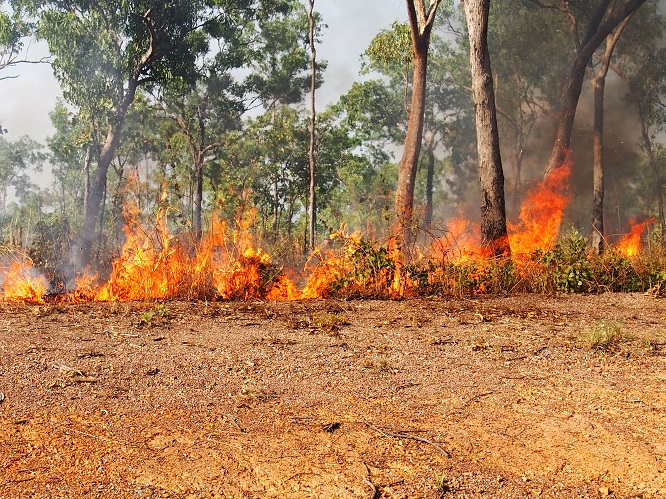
x,y
491,175
602,24
313,122
92,213
649,151
430,177
598,168
421,22
647,146
599,85
197,222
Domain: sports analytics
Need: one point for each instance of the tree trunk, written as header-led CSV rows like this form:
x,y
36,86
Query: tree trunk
x,y
491,175
430,177
90,235
598,167
197,224
86,177
599,28
313,118
647,146
420,22
599,85
276,206
404,197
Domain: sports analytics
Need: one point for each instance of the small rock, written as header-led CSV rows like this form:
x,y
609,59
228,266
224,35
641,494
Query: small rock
x,y
604,491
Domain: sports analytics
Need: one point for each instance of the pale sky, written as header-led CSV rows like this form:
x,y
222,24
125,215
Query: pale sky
x,y
27,100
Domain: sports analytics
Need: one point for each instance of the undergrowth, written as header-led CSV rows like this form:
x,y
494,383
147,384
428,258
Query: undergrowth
x,y
568,266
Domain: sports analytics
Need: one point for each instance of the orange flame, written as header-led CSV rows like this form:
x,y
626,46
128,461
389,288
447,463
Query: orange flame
x,y
21,284
461,243
630,245
541,213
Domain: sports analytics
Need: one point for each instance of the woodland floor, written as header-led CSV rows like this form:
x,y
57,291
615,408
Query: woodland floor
x,y
489,397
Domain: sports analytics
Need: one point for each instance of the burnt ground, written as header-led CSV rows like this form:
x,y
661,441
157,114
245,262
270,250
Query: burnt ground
x,y
489,397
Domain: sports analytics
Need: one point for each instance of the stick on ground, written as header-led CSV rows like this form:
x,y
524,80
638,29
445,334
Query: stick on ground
x,y
387,433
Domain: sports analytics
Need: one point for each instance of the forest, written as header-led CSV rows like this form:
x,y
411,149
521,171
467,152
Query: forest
x,y
484,147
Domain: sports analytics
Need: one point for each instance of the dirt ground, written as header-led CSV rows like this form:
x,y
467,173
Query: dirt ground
x,y
497,397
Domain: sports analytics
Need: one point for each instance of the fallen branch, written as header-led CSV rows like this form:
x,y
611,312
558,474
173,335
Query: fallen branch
x,y
387,433
475,397
366,479
67,369
231,418
117,442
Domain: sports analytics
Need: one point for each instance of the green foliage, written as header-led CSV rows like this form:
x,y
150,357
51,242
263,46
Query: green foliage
x,y
154,316
568,264
371,272
328,321
390,52
571,267
14,28
17,158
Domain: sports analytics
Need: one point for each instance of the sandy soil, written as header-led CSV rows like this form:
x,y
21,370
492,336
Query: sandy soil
x,y
491,397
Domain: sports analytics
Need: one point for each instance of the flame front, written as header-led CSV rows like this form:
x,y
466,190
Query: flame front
x,y
542,212
156,264
630,245
21,282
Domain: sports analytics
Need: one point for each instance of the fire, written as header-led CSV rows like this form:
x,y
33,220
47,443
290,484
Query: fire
x,y
541,213
22,283
540,219
461,243
630,245
157,264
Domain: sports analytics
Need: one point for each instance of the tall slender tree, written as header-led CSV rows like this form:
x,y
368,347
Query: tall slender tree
x,y
106,51
313,122
604,18
598,80
421,21
491,175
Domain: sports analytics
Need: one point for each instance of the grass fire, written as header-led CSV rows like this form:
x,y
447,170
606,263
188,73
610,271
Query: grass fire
x,y
155,263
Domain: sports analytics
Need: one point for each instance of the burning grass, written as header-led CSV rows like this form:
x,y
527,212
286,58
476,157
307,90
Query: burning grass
x,y
228,264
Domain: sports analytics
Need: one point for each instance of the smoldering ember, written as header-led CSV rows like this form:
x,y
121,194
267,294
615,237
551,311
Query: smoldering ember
x,y
260,254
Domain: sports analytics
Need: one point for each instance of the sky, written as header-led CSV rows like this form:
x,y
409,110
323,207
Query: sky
x,y
28,99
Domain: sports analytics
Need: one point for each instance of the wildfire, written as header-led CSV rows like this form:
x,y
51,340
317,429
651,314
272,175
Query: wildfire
x,y
461,243
157,264
540,220
541,213
630,245
23,283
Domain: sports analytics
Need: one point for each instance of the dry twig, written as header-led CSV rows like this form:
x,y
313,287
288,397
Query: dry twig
x,y
366,479
231,418
407,435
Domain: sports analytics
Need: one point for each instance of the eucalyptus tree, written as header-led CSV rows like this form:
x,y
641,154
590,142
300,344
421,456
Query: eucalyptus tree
x,y
598,70
106,51
600,19
526,49
17,159
640,63
14,30
312,153
421,16
491,176
202,114
70,149
283,69
381,108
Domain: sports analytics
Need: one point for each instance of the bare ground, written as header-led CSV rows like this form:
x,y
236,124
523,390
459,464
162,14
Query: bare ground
x,y
491,397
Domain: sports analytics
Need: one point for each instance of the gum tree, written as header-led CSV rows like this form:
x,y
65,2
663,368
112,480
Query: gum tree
x,y
106,51
491,175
